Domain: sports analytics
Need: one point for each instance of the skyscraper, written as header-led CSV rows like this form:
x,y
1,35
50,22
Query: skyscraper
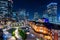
x,y
10,6
21,14
36,16
45,15
52,12
14,17
5,8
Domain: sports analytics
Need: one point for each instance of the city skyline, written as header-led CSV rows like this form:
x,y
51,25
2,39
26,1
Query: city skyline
x,y
32,6
29,20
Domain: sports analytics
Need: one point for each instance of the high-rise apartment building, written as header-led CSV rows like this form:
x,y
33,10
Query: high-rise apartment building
x,y
52,12
5,8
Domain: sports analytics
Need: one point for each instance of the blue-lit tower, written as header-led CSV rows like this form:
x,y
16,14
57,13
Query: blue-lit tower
x,y
52,12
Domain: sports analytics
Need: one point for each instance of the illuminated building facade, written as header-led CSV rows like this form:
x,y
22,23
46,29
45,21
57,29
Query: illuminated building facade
x,y
41,31
5,8
52,12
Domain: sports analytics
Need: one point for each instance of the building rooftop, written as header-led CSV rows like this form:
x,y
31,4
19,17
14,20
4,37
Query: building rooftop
x,y
51,4
7,0
50,25
3,0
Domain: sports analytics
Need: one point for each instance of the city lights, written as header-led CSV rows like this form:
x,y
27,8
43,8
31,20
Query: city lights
x,y
29,20
48,37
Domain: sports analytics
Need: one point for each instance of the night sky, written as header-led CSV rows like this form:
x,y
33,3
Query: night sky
x,y
33,5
